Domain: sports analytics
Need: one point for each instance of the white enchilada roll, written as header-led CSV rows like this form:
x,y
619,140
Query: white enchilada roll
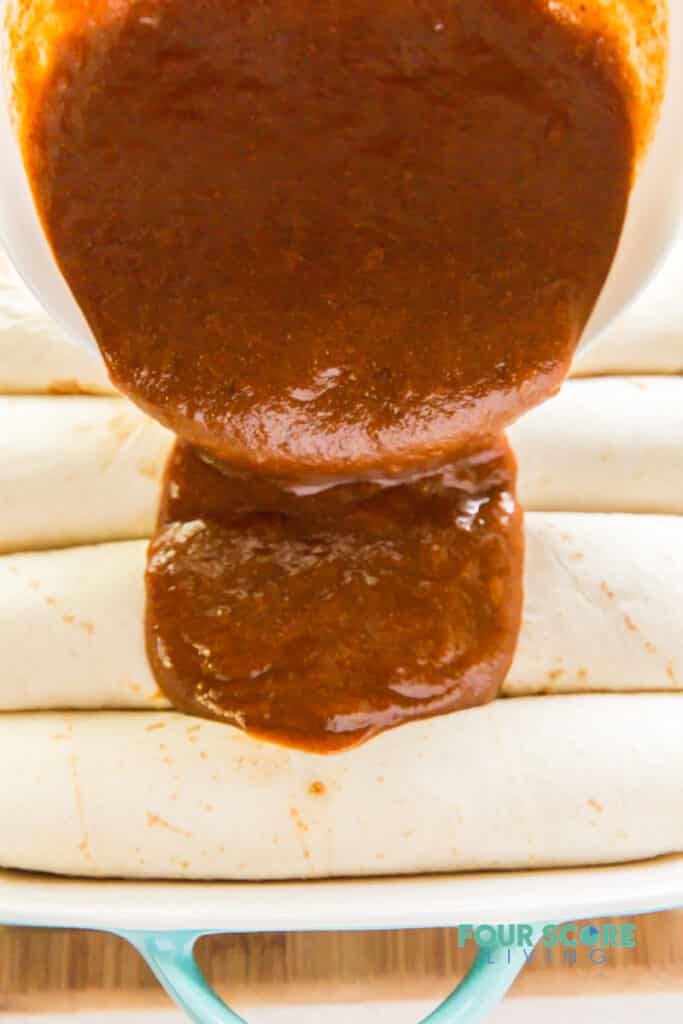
x,y
605,444
36,357
77,470
602,604
533,782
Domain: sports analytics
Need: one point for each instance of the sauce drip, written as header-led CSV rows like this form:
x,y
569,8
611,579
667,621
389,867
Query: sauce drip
x,y
320,620
325,240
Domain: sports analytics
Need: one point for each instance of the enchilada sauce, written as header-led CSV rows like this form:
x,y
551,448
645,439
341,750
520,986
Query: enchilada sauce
x,y
337,247
320,619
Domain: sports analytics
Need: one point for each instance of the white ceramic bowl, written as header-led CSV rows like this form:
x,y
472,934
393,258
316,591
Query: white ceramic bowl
x,y
654,215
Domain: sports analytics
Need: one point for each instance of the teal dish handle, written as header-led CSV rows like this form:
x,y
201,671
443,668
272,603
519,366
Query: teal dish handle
x,y
171,957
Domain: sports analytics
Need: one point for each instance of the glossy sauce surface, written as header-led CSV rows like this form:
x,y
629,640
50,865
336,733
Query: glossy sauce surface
x,y
325,241
320,620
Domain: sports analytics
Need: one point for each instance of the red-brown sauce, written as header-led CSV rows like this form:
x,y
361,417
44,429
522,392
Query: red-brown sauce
x,y
326,240
320,620
320,237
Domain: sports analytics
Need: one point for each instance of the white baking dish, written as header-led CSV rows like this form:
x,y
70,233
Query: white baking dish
x,y
163,920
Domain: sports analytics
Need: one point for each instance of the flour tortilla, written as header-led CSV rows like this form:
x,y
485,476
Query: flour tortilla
x,y
602,612
602,605
35,356
77,470
521,783
71,629
610,444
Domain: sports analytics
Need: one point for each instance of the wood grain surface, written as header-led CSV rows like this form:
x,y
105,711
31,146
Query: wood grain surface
x,y
49,970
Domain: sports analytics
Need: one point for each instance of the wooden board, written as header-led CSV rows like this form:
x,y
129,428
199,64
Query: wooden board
x,y
48,970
